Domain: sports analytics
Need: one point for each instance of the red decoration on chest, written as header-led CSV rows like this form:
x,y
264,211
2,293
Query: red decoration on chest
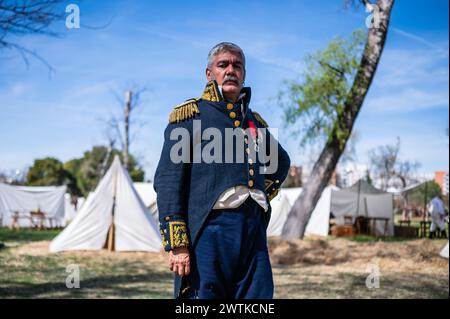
x,y
252,127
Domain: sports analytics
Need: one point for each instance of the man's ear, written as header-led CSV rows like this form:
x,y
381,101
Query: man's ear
x,y
208,74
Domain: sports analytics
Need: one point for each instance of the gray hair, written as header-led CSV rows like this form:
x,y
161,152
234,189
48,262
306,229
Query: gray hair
x,y
224,47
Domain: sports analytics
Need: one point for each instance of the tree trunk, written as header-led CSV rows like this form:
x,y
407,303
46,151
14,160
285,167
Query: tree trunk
x,y
126,143
300,213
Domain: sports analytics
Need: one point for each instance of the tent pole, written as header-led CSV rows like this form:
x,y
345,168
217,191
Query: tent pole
x,y
425,215
110,240
359,197
111,232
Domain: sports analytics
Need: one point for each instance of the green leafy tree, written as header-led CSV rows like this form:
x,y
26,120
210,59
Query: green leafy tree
x,y
89,169
71,168
325,104
51,172
47,172
317,102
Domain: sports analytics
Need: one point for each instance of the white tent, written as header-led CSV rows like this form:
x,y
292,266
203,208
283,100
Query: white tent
x,y
148,196
113,211
80,202
280,210
283,202
362,199
19,201
319,223
70,209
444,251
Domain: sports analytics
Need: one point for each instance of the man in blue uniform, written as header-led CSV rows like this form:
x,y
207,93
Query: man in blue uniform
x,y
214,188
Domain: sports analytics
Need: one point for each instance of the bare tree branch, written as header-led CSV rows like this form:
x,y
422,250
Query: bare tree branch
x,y
356,3
389,168
122,127
339,72
23,17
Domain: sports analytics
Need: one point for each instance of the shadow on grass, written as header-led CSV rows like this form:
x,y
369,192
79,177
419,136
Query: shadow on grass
x,y
153,285
26,276
353,286
366,239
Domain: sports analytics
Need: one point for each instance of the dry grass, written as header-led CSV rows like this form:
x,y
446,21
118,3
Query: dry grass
x,y
302,269
339,268
30,271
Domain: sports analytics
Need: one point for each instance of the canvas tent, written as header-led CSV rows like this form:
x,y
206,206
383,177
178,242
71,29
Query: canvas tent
x,y
283,202
70,209
444,251
148,196
20,201
280,210
113,214
362,199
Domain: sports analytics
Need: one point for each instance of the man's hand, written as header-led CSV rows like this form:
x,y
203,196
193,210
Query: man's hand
x,y
179,261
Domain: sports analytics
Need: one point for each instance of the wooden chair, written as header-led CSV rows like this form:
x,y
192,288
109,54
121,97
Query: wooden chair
x,y
40,217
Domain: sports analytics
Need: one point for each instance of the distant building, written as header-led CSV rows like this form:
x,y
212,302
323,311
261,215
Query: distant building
x,y
441,178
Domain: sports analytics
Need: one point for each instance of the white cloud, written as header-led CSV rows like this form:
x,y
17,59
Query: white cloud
x,y
427,147
408,67
410,80
415,38
18,89
408,100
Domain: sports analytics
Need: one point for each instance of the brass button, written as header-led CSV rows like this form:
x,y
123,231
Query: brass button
x,y
251,172
237,123
232,115
250,183
229,106
250,161
247,150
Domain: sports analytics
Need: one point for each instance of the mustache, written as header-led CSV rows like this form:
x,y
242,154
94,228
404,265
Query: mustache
x,y
231,78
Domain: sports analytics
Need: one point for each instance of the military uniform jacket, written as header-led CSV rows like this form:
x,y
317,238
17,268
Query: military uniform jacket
x,y
188,189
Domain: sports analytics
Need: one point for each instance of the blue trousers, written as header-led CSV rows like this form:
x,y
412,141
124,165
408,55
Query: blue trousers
x,y
231,259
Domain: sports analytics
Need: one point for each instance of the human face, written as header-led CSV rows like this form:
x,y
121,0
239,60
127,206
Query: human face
x,y
227,68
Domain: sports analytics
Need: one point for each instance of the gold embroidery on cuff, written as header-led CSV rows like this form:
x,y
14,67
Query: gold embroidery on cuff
x,y
178,234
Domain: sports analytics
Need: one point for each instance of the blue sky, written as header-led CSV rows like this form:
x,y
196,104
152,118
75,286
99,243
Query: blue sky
x,y
163,45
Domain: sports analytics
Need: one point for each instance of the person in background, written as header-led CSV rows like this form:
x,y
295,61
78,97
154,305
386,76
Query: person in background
x,y
437,213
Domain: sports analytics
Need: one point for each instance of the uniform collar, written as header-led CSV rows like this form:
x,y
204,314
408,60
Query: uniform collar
x,y
213,93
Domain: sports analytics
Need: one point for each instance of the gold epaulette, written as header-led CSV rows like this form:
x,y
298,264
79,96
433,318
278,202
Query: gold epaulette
x,y
184,111
260,119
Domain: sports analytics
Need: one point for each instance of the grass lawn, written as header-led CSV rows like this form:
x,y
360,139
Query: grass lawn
x,y
332,268
26,235
28,270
